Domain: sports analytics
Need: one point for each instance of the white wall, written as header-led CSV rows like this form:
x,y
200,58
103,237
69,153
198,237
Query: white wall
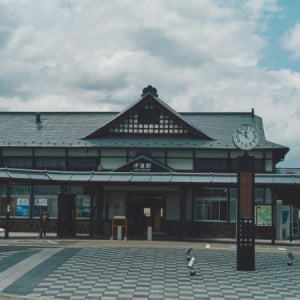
x,y
180,164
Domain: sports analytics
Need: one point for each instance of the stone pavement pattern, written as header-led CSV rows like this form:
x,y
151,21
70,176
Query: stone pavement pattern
x,y
149,273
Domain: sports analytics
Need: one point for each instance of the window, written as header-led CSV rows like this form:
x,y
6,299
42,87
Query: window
x,y
16,162
258,196
258,165
82,201
50,163
46,199
148,116
149,120
233,165
82,164
3,197
40,206
147,212
211,205
45,203
83,206
19,204
211,165
233,204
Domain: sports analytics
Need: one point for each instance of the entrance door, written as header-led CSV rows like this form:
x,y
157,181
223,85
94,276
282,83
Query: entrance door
x,y
66,221
145,210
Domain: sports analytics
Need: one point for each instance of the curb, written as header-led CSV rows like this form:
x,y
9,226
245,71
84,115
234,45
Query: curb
x,y
4,296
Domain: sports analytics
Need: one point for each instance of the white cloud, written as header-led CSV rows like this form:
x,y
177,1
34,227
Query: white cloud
x,y
259,8
99,55
291,40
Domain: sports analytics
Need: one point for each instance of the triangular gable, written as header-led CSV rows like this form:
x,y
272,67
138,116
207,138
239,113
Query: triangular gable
x,y
143,164
149,116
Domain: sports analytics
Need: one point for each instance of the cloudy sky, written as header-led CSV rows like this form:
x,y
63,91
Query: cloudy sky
x,y
201,55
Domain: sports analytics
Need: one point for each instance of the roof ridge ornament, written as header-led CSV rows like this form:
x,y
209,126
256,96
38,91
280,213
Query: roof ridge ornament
x,y
150,89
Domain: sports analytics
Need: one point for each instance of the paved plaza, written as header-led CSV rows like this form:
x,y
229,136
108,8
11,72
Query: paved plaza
x,y
144,270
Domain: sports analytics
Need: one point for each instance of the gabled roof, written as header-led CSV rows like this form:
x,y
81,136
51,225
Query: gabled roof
x,y
144,163
66,129
148,116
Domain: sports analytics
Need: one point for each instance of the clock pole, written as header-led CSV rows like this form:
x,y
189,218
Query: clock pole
x,y
245,138
245,214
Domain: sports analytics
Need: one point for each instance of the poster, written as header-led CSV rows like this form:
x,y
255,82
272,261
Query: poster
x,y
22,209
40,205
264,215
86,207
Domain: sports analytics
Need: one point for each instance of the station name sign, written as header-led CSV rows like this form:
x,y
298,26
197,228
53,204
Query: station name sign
x,y
140,166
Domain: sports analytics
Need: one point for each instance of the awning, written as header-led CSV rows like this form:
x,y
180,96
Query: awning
x,y
7,174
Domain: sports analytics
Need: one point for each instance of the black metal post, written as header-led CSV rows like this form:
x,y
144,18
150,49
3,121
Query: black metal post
x,y
92,214
7,222
44,227
7,216
41,223
273,218
183,213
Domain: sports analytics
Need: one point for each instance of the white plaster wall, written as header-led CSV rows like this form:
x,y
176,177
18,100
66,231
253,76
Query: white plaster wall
x,y
180,164
112,163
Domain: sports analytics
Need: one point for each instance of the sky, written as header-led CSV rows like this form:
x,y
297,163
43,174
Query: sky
x,y
201,55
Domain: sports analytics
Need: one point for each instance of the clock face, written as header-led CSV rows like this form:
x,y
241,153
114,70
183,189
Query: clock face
x,y
245,137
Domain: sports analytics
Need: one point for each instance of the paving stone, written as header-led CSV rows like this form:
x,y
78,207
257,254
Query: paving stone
x,y
162,273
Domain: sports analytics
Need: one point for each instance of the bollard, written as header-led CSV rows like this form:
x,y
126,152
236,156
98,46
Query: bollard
x,y
290,259
2,230
119,233
149,233
188,253
191,266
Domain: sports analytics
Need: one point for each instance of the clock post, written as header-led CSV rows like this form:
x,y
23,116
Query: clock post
x,y
245,214
245,138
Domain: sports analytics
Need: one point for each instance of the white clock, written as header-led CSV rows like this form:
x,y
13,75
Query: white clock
x,y
245,137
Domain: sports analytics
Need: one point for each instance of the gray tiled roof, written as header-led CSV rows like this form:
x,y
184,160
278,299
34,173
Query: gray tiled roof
x,y
67,129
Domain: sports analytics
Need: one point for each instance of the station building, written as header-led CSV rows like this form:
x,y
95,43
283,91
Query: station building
x,y
149,166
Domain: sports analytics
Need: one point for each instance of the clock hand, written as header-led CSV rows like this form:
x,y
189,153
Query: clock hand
x,y
243,134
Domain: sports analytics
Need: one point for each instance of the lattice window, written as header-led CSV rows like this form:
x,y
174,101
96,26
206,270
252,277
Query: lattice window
x,y
149,120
